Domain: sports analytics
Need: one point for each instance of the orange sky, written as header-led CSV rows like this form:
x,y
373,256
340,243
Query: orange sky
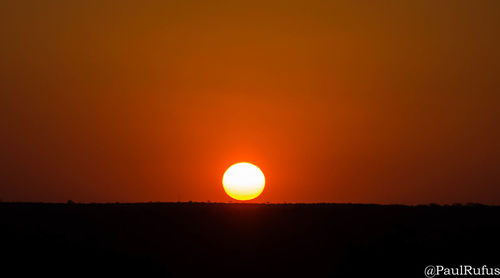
x,y
373,102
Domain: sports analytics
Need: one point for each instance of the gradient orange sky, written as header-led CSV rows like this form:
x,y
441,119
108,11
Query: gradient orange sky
x,y
336,101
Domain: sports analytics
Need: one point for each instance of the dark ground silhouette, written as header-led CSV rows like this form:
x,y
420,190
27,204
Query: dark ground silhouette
x,y
249,240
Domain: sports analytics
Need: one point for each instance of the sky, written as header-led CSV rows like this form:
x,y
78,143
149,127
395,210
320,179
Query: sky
x,y
336,101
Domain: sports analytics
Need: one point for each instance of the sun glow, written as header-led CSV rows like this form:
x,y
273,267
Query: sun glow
x,y
243,181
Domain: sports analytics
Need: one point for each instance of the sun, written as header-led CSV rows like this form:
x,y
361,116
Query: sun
x,y
243,181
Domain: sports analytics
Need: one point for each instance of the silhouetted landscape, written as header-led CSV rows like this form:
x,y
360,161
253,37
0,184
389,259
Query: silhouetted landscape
x,y
250,240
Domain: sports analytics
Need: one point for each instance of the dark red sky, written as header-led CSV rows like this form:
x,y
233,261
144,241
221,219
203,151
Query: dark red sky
x,y
365,101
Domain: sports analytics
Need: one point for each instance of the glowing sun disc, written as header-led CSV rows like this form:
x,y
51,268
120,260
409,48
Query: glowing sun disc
x,y
243,181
